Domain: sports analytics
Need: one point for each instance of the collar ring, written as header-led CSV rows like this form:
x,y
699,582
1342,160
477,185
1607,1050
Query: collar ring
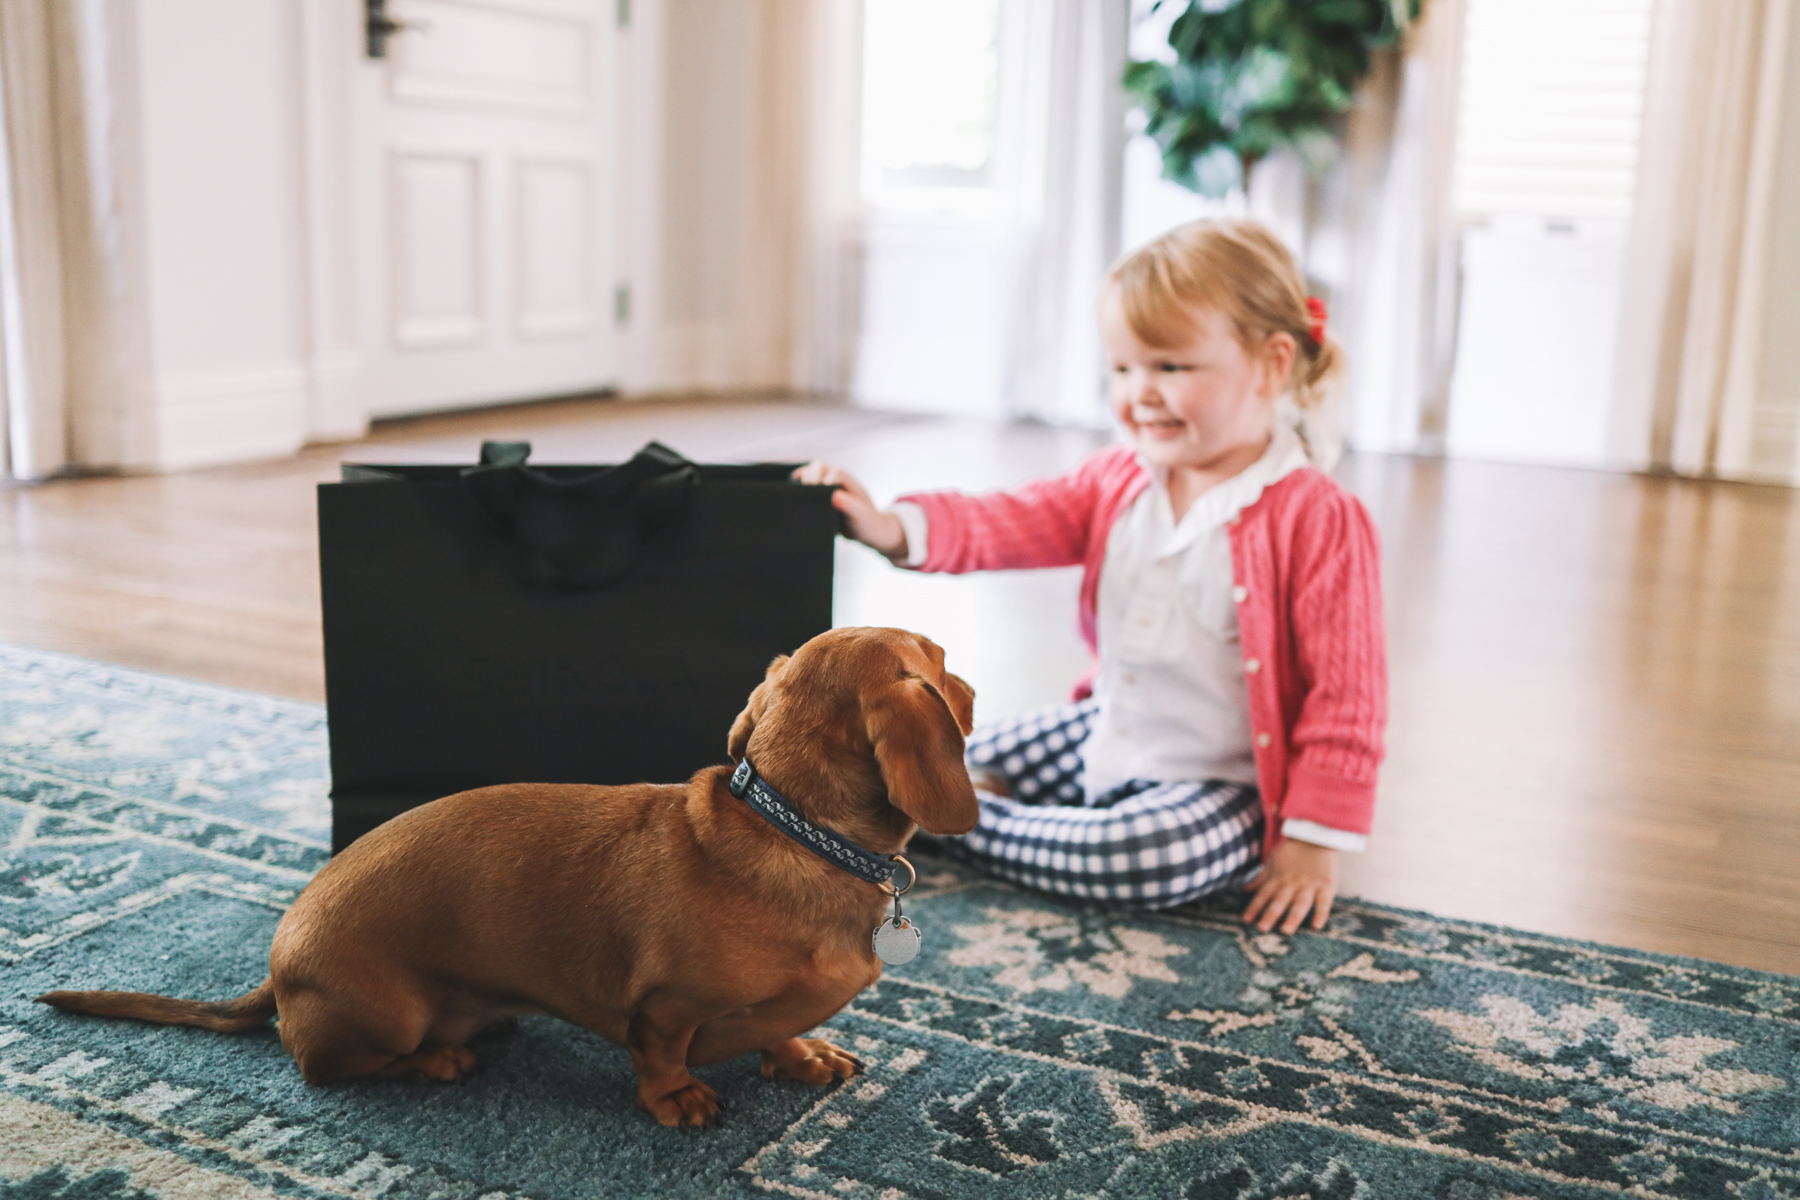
x,y
912,877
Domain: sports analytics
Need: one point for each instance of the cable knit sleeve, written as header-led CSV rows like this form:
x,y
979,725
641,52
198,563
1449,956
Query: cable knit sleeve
x,y
1045,523
1339,640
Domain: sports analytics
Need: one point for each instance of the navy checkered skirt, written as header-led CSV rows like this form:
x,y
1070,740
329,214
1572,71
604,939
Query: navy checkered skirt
x,y
1150,843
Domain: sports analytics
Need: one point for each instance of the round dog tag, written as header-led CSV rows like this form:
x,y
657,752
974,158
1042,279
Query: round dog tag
x,y
897,943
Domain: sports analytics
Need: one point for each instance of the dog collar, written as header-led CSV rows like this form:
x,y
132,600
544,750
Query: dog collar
x,y
755,791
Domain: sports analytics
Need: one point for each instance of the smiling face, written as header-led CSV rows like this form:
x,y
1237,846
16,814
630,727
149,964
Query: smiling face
x,y
1203,403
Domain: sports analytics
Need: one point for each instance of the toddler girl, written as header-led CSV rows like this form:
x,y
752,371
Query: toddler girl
x,y
1231,596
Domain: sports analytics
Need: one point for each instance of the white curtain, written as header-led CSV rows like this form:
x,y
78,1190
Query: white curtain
x,y
745,115
1688,390
1068,215
73,330
817,65
1384,247
31,322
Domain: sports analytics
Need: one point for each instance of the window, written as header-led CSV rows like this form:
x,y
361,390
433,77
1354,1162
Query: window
x,y
1552,97
930,96
1546,165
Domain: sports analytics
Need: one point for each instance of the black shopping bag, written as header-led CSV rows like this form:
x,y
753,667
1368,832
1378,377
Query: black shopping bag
x,y
516,624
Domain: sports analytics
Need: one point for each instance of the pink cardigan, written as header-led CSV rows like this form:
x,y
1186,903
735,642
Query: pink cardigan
x,y
1309,621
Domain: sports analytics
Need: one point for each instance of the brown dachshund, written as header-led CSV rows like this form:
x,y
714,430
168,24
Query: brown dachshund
x,y
672,919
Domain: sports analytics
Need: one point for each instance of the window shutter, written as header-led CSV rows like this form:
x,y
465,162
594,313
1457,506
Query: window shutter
x,y
1552,95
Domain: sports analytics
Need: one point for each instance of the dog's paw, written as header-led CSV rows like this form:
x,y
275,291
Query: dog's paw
x,y
440,1061
810,1060
692,1105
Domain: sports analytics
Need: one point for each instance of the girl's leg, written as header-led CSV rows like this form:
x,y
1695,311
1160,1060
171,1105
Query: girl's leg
x,y
1038,753
1163,846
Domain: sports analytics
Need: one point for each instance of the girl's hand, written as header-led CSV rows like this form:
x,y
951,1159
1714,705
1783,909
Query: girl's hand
x,y
862,520
1297,877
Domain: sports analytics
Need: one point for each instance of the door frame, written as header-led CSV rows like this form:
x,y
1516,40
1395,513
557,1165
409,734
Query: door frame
x,y
329,34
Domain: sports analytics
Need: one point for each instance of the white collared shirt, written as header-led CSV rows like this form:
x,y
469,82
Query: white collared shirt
x,y
1173,703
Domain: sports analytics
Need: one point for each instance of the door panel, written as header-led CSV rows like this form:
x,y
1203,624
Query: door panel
x,y
487,54
484,210
437,250
556,293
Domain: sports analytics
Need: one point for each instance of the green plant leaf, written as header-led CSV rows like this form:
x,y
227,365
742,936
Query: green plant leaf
x,y
1253,76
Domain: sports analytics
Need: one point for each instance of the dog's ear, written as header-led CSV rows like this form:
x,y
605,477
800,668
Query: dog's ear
x,y
918,740
738,740
961,698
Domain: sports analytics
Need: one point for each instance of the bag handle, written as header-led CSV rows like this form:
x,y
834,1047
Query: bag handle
x,y
583,531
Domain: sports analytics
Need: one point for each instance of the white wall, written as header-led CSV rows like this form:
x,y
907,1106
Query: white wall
x,y
934,310
218,103
739,112
708,141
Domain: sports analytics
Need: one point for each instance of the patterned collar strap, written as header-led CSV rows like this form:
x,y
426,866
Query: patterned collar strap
x,y
755,791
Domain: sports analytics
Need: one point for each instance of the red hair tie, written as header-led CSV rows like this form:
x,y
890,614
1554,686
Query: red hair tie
x,y
1316,307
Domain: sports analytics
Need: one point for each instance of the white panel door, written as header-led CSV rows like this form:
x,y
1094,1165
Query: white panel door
x,y
484,203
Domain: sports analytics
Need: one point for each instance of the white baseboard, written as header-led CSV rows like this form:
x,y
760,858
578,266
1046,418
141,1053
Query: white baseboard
x,y
1775,440
231,416
339,410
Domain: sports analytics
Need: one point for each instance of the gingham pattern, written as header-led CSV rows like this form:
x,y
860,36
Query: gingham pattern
x,y
1145,842
1038,752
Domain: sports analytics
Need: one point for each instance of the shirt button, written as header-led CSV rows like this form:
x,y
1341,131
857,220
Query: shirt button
x,y
1263,740
1252,666
1239,592
1130,677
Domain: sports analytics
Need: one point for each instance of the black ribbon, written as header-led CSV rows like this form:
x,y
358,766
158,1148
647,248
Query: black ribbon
x,y
588,530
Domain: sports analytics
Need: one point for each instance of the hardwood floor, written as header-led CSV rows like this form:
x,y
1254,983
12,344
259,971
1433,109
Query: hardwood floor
x,y
1596,678
1595,703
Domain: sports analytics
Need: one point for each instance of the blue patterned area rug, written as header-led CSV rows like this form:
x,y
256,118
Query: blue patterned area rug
x,y
153,830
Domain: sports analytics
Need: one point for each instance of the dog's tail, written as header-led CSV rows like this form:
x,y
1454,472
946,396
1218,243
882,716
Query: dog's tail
x,y
230,1016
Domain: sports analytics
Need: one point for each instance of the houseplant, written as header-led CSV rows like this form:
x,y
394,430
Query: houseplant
x,y
1251,76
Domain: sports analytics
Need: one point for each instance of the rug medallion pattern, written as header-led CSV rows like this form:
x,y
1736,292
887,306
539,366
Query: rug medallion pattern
x,y
152,831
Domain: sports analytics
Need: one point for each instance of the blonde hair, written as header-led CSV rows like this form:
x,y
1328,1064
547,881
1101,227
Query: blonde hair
x,y
1241,271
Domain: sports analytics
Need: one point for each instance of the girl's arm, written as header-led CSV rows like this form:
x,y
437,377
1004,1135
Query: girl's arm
x,y
1044,523
1048,522
1335,742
